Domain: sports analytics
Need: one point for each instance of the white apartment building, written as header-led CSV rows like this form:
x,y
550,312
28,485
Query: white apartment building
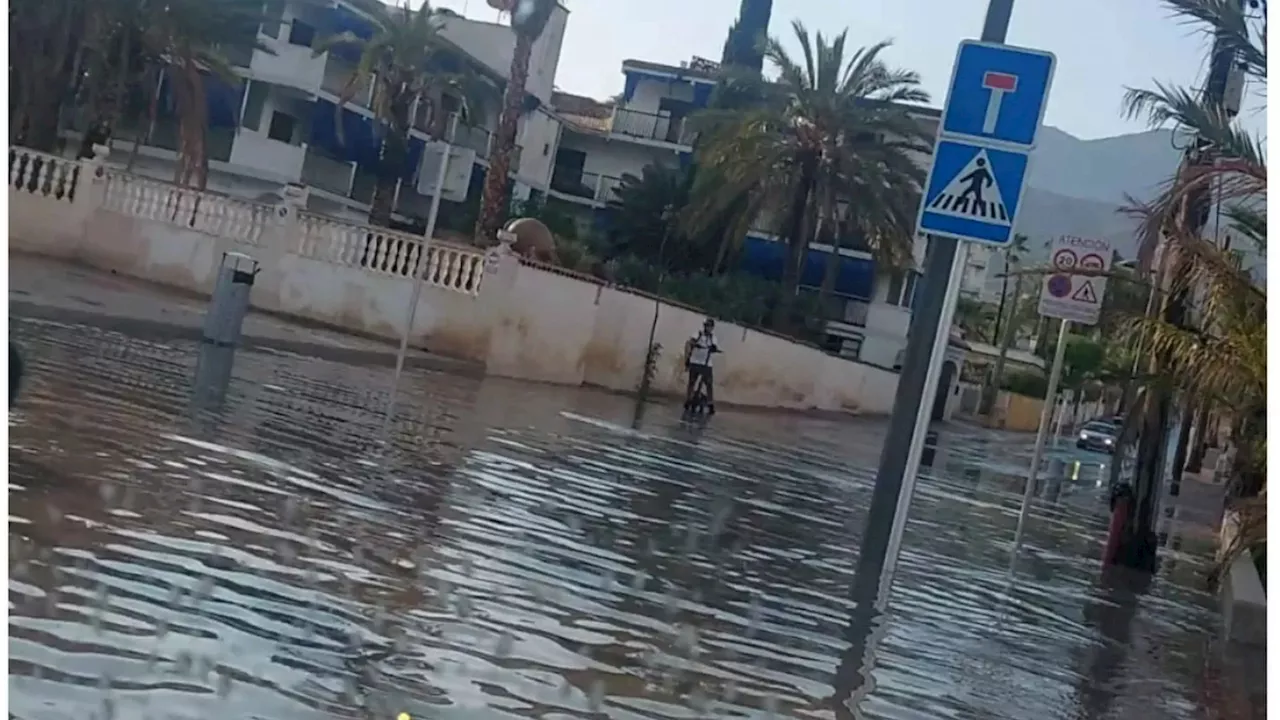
x,y
278,127
647,125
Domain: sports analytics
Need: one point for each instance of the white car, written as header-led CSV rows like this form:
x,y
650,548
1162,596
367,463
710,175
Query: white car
x,y
1098,435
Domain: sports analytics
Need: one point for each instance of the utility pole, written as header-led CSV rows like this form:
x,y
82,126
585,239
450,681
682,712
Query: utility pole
x,y
1136,545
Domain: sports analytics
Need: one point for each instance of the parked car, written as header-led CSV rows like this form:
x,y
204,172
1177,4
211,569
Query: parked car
x,y
1098,435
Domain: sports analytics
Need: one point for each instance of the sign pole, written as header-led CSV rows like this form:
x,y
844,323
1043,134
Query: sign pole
x,y
936,296
1046,420
419,272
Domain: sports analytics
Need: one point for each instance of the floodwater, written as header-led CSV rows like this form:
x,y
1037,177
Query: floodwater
x,y
195,539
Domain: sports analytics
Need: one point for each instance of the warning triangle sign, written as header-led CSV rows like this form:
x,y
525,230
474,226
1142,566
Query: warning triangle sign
x,y
973,194
1085,293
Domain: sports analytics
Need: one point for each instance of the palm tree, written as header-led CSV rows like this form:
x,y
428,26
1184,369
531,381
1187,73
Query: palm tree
x,y
1223,360
528,19
406,65
830,131
1012,259
190,40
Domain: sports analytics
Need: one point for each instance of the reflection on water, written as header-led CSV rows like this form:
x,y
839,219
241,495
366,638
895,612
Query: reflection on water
x,y
186,547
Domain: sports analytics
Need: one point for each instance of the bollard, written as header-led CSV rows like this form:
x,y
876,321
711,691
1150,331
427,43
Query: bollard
x,y
230,301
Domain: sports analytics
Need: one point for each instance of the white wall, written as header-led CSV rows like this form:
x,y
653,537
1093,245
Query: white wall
x,y
494,45
521,320
538,136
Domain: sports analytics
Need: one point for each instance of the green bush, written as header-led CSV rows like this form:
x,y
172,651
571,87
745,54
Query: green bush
x,y
1025,383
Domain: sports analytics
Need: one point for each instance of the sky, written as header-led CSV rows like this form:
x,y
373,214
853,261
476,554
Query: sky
x,y
1102,46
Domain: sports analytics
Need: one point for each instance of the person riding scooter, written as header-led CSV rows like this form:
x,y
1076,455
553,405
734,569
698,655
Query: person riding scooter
x,y
698,352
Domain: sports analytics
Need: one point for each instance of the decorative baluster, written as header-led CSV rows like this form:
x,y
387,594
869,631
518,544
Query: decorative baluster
x,y
380,256
451,275
433,264
60,172
41,176
348,244
395,248
416,255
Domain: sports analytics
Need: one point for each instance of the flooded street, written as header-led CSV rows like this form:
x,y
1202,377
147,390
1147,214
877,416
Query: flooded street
x,y
187,546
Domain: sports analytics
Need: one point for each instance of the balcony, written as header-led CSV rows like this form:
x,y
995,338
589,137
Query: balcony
x,y
291,65
592,187
271,157
326,173
654,127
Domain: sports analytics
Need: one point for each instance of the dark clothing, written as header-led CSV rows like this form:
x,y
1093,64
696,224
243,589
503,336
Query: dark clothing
x,y
704,373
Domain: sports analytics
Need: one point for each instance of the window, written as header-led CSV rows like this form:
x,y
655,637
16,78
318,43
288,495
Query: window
x,y
301,33
902,289
282,127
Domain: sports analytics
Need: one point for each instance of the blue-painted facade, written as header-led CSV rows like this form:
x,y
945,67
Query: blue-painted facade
x,y
766,258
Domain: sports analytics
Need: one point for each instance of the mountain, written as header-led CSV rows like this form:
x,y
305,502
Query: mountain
x,y
1106,169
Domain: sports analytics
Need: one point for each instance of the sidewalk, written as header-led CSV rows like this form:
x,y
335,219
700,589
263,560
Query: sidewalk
x,y
45,289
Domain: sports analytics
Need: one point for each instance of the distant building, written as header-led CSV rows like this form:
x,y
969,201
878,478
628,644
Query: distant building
x,y
279,123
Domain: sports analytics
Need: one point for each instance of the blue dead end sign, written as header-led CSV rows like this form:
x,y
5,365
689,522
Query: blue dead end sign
x,y
998,94
989,125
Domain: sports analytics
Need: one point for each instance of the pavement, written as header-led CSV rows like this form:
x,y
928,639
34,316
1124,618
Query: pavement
x,y
52,290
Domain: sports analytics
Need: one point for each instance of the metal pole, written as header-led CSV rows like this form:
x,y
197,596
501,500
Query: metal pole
x,y
1046,417
924,411
935,301
418,275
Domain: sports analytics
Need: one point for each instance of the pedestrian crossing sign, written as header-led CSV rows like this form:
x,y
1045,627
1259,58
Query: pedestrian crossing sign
x,y
973,192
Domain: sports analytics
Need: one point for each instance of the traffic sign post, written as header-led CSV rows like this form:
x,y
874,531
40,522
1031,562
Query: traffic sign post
x,y
1070,298
1076,297
900,459
993,112
988,130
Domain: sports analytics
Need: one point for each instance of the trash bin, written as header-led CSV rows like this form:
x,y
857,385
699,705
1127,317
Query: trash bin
x,y
230,302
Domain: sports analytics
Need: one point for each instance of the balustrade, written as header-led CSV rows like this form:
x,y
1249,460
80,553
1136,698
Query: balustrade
x,y
389,252
205,212
43,174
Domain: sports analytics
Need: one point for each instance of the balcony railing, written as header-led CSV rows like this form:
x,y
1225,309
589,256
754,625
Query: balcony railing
x,y
651,126
585,185
326,173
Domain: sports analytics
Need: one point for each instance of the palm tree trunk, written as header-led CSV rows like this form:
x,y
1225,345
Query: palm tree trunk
x,y
828,231
797,244
494,202
153,76
392,157
992,390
